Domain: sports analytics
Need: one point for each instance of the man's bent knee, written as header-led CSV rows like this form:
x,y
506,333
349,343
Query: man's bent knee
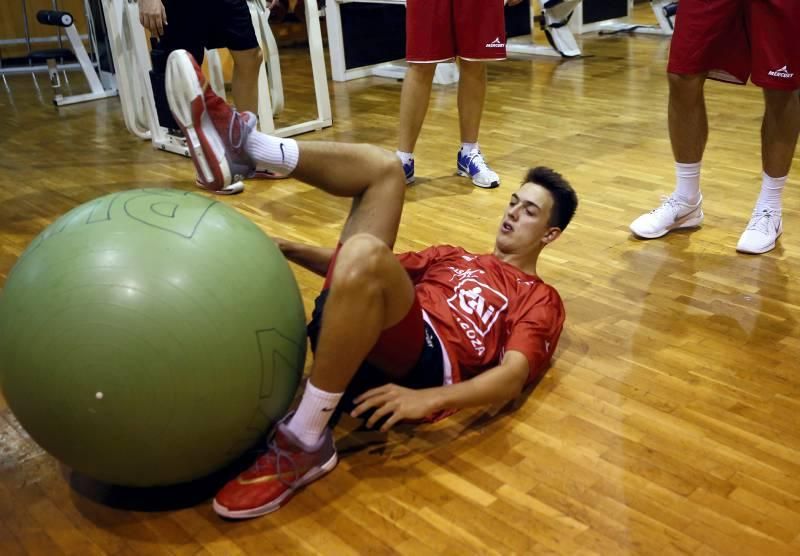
x,y
390,167
362,260
393,167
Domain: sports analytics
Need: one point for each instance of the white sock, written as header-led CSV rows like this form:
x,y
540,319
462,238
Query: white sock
x,y
687,187
273,153
467,148
313,414
405,158
771,192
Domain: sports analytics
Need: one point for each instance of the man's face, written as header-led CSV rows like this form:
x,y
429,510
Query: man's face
x,y
526,222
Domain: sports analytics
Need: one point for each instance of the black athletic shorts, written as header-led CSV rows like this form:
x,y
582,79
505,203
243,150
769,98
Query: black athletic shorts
x,y
195,25
428,371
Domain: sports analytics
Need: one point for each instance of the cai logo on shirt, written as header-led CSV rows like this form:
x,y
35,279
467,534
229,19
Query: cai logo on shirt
x,y
477,304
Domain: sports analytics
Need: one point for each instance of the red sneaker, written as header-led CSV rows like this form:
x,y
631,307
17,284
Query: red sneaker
x,y
287,466
215,133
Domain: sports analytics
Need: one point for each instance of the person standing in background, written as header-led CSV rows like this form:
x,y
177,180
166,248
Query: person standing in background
x,y
438,31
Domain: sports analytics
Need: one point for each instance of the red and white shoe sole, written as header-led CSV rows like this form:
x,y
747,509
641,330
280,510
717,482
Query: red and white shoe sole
x,y
276,504
187,103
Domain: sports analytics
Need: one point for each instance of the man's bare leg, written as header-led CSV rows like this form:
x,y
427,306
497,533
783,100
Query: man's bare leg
x,y
779,130
369,290
371,176
688,132
471,96
414,99
244,84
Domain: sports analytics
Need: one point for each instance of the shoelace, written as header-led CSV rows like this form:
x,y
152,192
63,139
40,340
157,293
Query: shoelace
x,y
476,158
275,453
761,221
667,202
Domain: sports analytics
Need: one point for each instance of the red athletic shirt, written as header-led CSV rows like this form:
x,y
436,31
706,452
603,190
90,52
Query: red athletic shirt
x,y
482,307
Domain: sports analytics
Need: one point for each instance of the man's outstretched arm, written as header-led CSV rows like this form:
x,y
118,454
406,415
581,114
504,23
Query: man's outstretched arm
x,y
311,257
497,385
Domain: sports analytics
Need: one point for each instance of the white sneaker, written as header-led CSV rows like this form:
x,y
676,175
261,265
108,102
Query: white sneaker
x,y
764,228
671,215
474,166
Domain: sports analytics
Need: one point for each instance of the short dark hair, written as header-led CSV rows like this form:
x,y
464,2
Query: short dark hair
x,y
565,200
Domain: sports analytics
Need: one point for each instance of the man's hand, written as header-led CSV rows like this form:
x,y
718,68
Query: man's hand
x,y
512,2
397,402
153,16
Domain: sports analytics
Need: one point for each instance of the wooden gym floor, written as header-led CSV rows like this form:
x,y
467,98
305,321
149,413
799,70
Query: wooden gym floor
x,y
669,423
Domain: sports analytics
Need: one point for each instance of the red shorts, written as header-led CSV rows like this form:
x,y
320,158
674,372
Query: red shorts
x,y
734,40
438,30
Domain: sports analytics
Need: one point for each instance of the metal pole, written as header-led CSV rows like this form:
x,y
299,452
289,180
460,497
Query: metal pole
x,y
58,28
26,26
92,33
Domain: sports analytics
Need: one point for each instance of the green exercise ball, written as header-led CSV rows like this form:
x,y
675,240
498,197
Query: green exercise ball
x,y
150,337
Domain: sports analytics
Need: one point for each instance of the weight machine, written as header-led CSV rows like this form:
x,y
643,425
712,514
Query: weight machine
x,y
96,68
553,20
134,65
665,12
